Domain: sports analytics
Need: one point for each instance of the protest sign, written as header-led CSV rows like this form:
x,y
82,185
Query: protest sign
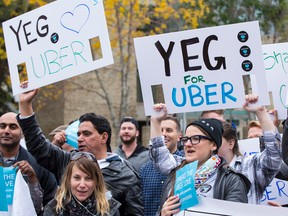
x,y
277,190
3,200
185,187
9,174
276,66
71,134
215,207
22,202
202,69
57,41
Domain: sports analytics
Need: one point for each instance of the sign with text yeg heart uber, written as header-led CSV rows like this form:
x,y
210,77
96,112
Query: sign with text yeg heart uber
x,y
57,41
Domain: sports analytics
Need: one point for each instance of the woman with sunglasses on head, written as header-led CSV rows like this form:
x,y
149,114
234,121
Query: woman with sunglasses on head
x,y
213,178
82,190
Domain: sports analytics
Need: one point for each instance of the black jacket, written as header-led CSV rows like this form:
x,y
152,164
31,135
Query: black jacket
x,y
50,209
120,177
229,185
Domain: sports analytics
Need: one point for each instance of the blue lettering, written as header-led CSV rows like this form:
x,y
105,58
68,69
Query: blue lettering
x,y
44,67
226,93
77,53
197,94
282,90
267,192
183,96
280,188
62,56
52,61
208,94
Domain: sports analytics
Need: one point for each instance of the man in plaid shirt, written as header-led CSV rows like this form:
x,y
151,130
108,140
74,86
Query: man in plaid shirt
x,y
152,179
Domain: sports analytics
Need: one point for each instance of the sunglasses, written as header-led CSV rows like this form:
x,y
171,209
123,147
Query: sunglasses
x,y
79,155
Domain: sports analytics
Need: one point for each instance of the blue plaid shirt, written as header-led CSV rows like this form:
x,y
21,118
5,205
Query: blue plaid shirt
x,y
152,182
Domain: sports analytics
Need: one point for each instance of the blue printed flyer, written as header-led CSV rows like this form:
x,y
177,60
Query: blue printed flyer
x,y
184,185
3,201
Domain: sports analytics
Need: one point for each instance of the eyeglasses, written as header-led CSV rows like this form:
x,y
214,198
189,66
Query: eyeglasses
x,y
79,155
193,139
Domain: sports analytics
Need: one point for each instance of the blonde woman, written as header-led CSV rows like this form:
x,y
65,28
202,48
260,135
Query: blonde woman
x,y
82,190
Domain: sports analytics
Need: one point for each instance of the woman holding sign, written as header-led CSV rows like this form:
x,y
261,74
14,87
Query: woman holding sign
x,y
213,177
82,190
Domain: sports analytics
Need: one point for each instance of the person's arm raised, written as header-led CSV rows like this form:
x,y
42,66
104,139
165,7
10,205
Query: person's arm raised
x,y
160,113
260,111
26,99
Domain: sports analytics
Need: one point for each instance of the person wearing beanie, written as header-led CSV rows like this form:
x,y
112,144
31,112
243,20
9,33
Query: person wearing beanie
x,y
213,178
130,149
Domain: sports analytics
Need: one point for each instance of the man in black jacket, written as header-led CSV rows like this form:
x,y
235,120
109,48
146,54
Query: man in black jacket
x,y
94,136
11,152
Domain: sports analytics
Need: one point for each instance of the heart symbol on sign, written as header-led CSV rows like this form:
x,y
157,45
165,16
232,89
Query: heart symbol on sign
x,y
244,51
243,36
74,21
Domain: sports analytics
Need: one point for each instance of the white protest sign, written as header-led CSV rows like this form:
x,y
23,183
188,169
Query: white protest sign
x,y
277,190
202,69
54,42
276,66
208,206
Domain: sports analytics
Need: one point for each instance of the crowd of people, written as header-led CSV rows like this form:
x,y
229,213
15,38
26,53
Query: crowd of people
x,y
135,180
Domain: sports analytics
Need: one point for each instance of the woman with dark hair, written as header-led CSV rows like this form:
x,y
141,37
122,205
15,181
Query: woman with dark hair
x,y
213,177
82,190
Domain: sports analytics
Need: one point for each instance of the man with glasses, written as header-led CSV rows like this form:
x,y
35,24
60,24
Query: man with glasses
x,y
131,149
94,136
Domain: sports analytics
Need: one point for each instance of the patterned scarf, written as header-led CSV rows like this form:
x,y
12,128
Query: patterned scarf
x,y
87,208
207,170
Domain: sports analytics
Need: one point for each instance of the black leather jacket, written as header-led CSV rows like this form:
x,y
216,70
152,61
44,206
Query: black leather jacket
x,y
120,177
229,185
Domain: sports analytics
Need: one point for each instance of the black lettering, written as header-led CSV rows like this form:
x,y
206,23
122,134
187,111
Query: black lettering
x,y
186,58
27,34
220,60
45,27
17,34
165,55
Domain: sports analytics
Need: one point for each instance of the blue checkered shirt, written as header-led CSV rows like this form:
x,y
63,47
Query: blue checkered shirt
x,y
152,183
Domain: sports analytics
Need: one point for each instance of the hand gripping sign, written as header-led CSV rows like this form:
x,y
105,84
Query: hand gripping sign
x,y
57,41
202,69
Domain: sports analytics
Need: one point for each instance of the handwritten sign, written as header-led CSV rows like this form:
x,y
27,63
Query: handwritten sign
x,y
208,206
57,41
185,186
277,190
276,66
202,69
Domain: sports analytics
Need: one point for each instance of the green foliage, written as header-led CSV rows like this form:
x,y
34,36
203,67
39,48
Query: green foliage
x,y
271,14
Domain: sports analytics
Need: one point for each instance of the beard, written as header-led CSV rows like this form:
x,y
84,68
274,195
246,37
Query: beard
x,y
11,145
128,141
